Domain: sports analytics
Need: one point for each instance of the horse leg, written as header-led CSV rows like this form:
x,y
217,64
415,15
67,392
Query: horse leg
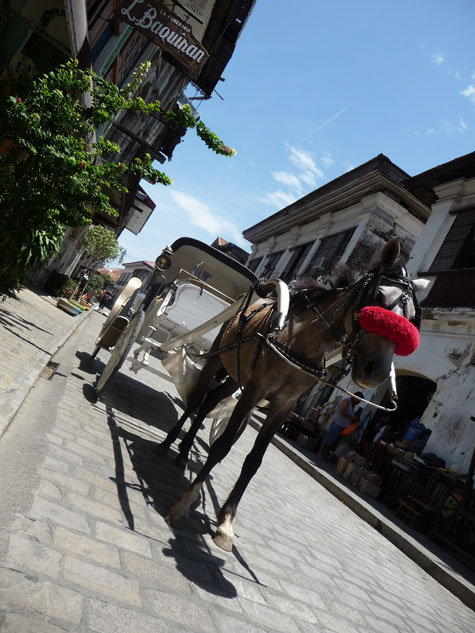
x,y
209,371
211,400
224,536
178,513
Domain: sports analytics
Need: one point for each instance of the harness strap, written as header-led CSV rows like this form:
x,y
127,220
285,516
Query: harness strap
x,y
309,371
314,370
328,325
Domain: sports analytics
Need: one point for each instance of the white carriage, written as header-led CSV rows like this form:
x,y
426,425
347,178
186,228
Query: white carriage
x,y
193,290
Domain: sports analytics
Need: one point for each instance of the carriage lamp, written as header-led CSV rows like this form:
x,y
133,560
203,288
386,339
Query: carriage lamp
x,y
163,262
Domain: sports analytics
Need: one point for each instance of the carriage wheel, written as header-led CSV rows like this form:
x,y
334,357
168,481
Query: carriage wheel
x,y
219,425
121,306
120,352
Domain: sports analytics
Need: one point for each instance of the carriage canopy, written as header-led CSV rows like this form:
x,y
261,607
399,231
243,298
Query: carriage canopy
x,y
220,274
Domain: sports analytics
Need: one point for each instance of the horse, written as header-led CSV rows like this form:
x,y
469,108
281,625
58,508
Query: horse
x,y
278,366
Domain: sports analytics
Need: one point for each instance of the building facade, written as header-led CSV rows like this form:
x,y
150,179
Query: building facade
x,y
141,269
187,41
445,254
347,220
433,214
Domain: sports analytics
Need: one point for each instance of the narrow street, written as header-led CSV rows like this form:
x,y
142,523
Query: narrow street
x,y
85,548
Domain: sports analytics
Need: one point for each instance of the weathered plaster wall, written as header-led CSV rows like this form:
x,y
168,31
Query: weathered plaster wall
x,y
446,355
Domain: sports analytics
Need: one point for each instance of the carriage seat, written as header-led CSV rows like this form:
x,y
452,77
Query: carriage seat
x,y
192,305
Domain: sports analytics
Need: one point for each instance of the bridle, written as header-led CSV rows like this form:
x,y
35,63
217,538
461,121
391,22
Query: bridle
x,y
359,294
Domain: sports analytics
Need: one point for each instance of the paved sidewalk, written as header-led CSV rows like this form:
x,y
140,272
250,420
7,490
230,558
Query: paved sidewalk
x,y
32,329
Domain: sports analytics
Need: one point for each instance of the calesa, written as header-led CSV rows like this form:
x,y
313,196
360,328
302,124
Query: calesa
x,y
148,22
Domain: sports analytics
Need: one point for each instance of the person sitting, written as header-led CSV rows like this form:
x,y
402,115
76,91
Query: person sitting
x,y
344,416
418,443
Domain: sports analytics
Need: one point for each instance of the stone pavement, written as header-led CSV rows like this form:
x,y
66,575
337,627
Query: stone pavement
x,y
32,329
438,562
87,548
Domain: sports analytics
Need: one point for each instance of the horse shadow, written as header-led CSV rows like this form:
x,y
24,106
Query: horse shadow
x,y
159,480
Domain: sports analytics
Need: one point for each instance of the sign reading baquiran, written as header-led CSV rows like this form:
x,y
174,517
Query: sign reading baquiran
x,y
167,30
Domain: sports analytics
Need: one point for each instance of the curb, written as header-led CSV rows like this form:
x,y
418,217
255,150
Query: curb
x,y
17,398
437,568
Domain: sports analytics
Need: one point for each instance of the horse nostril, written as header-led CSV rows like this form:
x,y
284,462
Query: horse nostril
x,y
369,368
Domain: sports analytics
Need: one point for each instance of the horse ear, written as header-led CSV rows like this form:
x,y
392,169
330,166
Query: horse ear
x,y
420,284
390,253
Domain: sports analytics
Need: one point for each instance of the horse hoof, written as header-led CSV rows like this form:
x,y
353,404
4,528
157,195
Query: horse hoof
x,y
161,449
224,541
175,518
181,462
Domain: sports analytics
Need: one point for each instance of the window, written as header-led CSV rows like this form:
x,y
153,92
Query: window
x,y
454,265
330,250
270,263
297,256
254,264
458,249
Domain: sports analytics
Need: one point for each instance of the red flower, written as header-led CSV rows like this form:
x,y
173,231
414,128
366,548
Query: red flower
x,y
82,165
19,100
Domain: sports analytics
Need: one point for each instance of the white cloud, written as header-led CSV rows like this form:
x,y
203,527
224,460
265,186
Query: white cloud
x,y
279,198
449,127
304,161
430,131
327,158
349,166
308,178
454,74
200,215
303,179
469,92
438,58
287,179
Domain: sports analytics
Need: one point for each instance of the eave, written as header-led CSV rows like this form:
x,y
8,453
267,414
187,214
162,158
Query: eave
x,y
220,39
331,199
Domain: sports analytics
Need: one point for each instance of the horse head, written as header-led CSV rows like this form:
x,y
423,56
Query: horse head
x,y
385,318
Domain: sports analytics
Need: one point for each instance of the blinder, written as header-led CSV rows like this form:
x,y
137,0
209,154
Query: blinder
x,y
369,288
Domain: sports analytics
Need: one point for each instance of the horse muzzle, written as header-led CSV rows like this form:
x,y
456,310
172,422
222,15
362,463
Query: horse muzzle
x,y
372,360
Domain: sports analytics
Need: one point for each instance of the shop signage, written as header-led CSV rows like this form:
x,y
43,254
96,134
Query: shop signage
x,y
167,30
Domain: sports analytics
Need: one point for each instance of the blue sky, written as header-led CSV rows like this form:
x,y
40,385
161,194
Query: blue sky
x,y
313,90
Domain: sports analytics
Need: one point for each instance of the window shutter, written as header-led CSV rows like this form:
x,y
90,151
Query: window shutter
x,y
331,247
458,233
298,255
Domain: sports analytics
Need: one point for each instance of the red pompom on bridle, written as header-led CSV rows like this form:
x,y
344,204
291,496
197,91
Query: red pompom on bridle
x,y
392,326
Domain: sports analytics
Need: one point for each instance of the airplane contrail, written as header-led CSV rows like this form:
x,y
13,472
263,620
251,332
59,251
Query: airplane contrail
x,y
322,125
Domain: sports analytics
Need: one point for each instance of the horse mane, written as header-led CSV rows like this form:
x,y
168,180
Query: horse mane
x,y
340,276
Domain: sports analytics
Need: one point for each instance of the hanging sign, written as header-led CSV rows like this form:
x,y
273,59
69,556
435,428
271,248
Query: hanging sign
x,y
167,30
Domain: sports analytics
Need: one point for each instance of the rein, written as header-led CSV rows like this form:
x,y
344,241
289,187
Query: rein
x,y
361,288
310,372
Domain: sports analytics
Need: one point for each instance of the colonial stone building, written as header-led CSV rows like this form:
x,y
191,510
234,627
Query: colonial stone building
x,y
433,214
349,219
445,254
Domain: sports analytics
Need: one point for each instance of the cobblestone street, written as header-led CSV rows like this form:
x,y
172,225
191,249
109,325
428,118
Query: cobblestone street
x,y
85,547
